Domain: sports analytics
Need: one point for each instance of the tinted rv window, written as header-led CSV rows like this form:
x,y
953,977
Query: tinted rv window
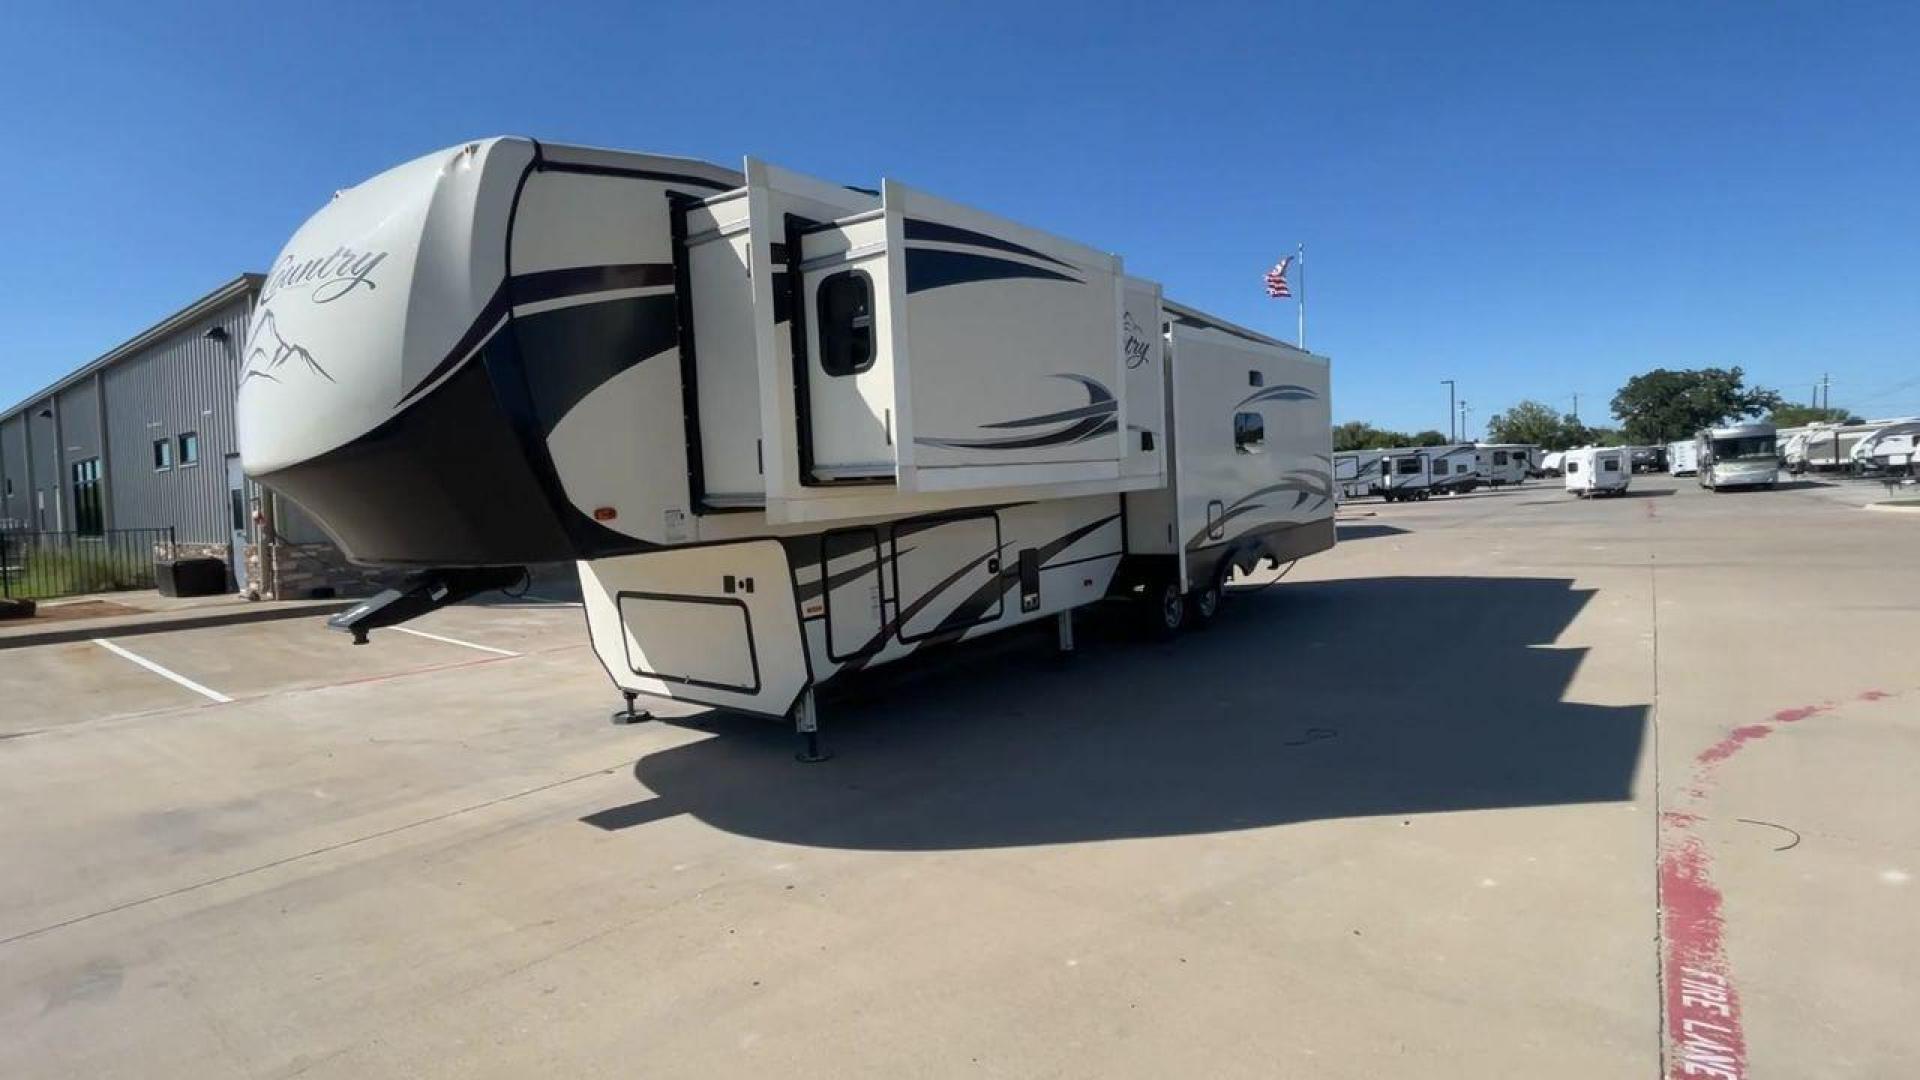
x,y
1611,465
1499,457
1572,467
1249,432
1406,466
845,309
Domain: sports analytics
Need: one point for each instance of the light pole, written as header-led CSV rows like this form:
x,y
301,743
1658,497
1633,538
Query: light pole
x,y
1450,408
1464,410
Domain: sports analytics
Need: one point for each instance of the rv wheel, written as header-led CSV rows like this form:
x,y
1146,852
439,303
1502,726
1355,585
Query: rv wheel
x,y
1165,607
1204,601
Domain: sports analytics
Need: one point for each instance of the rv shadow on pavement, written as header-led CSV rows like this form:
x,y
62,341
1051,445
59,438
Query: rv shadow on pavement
x,y
1344,532
1306,701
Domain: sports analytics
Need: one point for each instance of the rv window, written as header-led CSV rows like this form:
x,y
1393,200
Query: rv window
x,y
845,309
1249,432
1610,465
1406,466
1572,467
1499,457
1459,466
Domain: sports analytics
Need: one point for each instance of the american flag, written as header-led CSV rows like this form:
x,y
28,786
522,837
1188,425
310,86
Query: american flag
x,y
1277,280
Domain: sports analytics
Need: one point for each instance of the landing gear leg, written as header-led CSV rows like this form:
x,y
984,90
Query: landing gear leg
x,y
629,714
806,722
1064,623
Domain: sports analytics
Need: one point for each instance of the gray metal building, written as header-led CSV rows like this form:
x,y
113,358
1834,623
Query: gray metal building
x,y
141,437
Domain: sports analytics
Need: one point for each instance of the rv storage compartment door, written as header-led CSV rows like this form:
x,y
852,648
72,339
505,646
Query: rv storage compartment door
x,y
1010,369
946,574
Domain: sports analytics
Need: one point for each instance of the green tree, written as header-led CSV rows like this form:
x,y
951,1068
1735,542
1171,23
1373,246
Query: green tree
x,y
1662,406
1802,415
1359,435
1428,437
1538,424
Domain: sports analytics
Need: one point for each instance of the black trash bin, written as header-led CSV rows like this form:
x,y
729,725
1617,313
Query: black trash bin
x,y
190,577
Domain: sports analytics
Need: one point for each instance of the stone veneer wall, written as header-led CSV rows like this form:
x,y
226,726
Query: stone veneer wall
x,y
300,571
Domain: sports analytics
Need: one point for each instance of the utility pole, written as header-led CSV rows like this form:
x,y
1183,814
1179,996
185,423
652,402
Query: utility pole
x,y
1450,408
1576,404
1464,410
1826,391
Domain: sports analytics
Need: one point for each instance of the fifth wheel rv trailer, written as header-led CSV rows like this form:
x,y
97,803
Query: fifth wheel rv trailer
x,y
1741,455
1681,459
787,429
1593,470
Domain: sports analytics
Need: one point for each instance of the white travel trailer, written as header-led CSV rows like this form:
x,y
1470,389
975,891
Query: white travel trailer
x,y
1595,470
787,429
1552,462
1890,448
1828,447
1740,455
1356,473
1506,463
1420,472
1681,459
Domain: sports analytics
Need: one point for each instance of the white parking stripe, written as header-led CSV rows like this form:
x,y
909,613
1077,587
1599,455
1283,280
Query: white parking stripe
x,y
162,672
451,641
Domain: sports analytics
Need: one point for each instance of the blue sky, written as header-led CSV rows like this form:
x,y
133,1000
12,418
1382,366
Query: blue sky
x,y
1533,199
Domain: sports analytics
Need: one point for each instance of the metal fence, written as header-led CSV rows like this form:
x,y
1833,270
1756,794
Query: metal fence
x,y
40,565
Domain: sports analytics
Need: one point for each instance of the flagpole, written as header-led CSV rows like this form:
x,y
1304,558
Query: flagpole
x,y
1300,259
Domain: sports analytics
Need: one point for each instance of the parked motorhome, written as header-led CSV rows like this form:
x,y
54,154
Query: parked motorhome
x,y
1597,470
1739,455
1681,459
1890,448
787,429
1506,463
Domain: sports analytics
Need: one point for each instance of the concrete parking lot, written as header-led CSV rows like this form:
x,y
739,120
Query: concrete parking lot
x,y
1507,784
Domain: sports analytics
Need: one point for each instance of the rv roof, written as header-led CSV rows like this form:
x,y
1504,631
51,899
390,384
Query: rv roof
x,y
1195,317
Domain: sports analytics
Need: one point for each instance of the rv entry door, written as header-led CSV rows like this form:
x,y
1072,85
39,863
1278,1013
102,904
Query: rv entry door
x,y
841,332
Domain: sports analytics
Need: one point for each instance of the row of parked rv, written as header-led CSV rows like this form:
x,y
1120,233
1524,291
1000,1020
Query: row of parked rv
x,y
1874,446
1741,455
1403,473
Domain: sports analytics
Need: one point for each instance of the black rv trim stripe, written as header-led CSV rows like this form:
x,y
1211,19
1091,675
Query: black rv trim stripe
x,y
941,232
689,373
637,174
931,268
576,280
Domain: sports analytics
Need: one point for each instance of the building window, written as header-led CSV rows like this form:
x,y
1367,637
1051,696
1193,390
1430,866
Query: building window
x,y
1249,432
87,520
845,308
189,449
162,455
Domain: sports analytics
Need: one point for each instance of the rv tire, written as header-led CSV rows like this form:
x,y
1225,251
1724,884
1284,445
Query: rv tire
x,y
1204,602
1163,607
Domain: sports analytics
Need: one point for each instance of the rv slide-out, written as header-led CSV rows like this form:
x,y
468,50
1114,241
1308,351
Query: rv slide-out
x,y
786,428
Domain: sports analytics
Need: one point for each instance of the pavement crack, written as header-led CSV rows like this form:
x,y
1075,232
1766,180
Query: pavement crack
x,y
311,853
